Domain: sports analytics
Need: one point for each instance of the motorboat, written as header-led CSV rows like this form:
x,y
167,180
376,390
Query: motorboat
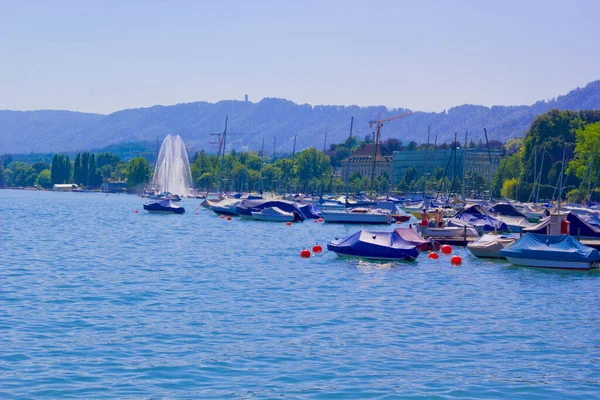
x,y
551,251
165,206
358,215
246,207
412,236
375,246
452,232
490,244
274,214
477,216
514,219
225,206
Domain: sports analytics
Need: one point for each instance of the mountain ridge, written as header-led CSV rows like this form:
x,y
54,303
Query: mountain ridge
x,y
282,119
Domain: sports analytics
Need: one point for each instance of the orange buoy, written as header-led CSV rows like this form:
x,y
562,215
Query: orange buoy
x,y
196,212
135,212
433,255
456,260
305,254
316,220
228,218
321,219
446,249
288,223
317,248
398,223
222,216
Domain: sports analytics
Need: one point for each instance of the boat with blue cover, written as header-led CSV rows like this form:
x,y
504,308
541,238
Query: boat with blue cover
x,y
551,251
165,206
375,246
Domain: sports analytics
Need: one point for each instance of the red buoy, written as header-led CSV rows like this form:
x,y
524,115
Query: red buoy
x,y
317,248
446,249
321,219
222,216
305,253
433,255
316,220
288,223
196,212
228,218
456,260
135,212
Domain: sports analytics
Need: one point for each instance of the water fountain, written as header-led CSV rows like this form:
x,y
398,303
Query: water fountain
x,y
172,172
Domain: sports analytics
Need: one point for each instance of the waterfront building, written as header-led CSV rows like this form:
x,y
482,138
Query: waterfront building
x,y
473,159
361,160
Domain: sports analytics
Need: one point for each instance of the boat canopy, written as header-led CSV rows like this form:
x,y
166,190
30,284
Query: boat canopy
x,y
507,209
376,245
245,207
551,247
482,222
310,211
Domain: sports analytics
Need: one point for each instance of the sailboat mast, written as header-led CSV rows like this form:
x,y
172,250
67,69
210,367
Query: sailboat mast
x,y
349,154
425,169
262,160
537,193
293,158
323,166
562,171
463,165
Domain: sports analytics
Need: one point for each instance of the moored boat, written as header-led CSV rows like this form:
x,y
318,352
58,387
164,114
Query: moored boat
x,y
274,214
551,251
489,245
164,207
375,246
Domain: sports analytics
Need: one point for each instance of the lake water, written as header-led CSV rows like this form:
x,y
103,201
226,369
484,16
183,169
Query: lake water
x,y
97,301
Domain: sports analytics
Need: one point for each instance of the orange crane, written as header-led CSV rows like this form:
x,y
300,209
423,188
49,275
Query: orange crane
x,y
379,124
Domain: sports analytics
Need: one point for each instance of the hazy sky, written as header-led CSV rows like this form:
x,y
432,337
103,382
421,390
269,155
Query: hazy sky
x,y
103,56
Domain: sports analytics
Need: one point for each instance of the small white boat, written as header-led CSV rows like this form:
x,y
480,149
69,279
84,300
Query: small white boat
x,y
489,245
551,251
358,215
451,232
273,214
225,207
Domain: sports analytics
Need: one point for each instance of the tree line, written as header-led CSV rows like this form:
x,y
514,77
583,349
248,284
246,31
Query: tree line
x,y
533,168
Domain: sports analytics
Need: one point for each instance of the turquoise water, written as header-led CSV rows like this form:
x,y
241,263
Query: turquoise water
x,y
99,302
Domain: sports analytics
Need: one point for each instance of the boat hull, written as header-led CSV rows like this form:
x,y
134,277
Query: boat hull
x,y
272,218
530,262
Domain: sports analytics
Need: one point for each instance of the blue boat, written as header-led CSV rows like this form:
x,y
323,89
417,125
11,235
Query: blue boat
x,y
246,207
551,251
165,206
375,246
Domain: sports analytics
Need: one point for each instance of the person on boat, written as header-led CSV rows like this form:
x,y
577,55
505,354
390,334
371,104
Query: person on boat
x,y
424,219
438,218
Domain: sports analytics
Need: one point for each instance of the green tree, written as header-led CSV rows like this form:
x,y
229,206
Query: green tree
x,y
137,172
2,178
586,162
40,166
44,179
410,175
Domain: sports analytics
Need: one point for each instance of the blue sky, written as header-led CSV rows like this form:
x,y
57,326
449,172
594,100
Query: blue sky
x,y
425,55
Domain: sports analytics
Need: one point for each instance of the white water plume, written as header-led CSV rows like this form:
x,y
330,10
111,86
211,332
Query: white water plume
x,y
172,172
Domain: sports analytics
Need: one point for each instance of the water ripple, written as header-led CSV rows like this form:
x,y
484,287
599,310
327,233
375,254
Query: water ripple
x,y
99,302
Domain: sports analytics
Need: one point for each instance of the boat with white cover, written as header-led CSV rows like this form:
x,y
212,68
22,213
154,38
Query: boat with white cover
x,y
273,214
489,245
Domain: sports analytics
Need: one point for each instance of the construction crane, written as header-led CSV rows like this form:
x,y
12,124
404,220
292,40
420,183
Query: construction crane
x,y
378,123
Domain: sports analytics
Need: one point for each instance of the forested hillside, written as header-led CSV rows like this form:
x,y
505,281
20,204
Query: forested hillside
x,y
64,131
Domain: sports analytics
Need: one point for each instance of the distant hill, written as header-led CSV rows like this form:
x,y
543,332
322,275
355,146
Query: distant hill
x,y
66,131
